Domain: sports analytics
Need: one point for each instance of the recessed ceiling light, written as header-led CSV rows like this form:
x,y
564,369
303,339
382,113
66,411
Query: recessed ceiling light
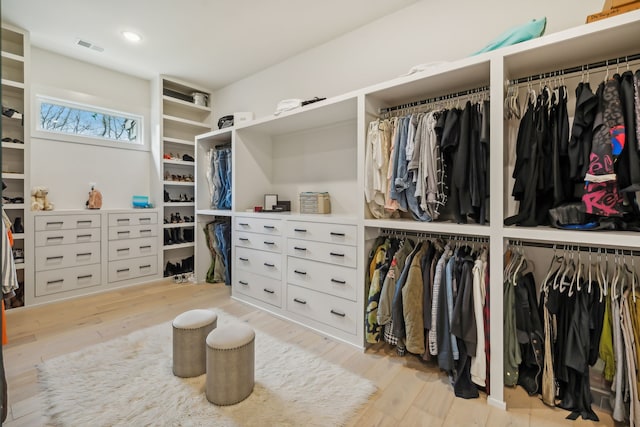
x,y
131,36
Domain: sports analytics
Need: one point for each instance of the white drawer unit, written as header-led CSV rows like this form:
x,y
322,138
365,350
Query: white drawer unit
x,y
327,309
258,241
132,268
66,222
67,237
323,232
132,248
132,232
122,219
259,262
258,287
331,279
63,256
66,279
259,225
325,252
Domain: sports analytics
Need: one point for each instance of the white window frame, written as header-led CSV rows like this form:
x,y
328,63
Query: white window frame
x,y
140,143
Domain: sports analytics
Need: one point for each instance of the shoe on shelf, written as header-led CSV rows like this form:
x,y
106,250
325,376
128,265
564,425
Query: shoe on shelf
x,y
11,113
187,158
14,140
17,226
18,255
166,156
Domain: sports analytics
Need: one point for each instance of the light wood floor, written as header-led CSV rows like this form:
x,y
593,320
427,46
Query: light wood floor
x,y
410,393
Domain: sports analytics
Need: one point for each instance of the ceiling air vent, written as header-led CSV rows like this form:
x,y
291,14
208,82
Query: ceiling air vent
x,y
89,45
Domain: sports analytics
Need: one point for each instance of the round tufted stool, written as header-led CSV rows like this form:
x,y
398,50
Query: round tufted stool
x,y
230,364
190,330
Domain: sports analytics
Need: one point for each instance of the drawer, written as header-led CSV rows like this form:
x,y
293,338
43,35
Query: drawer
x,y
328,309
266,264
66,222
67,279
52,257
132,232
258,287
65,237
132,268
331,279
259,225
261,242
121,219
323,232
324,252
132,248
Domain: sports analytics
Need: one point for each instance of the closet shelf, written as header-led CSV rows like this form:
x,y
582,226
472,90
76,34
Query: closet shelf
x,y
178,141
13,206
178,162
20,266
178,204
179,183
179,246
12,56
12,83
13,145
18,236
214,212
187,104
430,227
179,225
587,238
10,175
186,122
221,136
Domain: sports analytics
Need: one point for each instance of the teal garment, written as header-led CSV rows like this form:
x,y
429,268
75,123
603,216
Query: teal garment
x,y
530,30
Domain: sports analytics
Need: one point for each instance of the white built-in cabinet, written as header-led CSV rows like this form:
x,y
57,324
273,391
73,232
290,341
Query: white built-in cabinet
x,y
16,144
321,147
181,119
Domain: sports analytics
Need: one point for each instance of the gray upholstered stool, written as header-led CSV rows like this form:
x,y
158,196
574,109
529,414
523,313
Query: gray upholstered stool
x,y
230,364
190,330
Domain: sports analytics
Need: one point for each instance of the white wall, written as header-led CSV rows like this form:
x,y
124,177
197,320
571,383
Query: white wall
x,y
68,168
424,32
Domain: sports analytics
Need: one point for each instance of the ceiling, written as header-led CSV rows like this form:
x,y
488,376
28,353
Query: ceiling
x,y
208,42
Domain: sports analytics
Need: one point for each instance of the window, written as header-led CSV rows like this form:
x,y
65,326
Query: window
x,y
77,122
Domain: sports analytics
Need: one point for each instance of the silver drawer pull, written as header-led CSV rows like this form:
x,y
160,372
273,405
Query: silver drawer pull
x,y
123,249
83,236
337,234
55,238
299,301
122,270
269,291
304,273
268,264
86,276
49,258
145,231
55,223
123,220
243,224
342,282
269,227
338,313
83,221
84,254
243,283
145,266
243,259
298,248
299,230
145,219
336,254
53,282
243,239
124,232
145,247
269,243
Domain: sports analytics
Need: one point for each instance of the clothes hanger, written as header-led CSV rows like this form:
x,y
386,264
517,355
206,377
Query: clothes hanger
x,y
545,282
616,278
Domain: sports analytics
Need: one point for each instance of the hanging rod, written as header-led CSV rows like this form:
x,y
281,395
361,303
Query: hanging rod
x,y
434,99
482,239
580,68
568,246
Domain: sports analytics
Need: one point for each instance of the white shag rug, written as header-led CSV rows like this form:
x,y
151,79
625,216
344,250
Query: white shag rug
x,y
128,381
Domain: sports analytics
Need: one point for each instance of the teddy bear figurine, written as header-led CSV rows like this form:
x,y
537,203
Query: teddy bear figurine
x,y
39,199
